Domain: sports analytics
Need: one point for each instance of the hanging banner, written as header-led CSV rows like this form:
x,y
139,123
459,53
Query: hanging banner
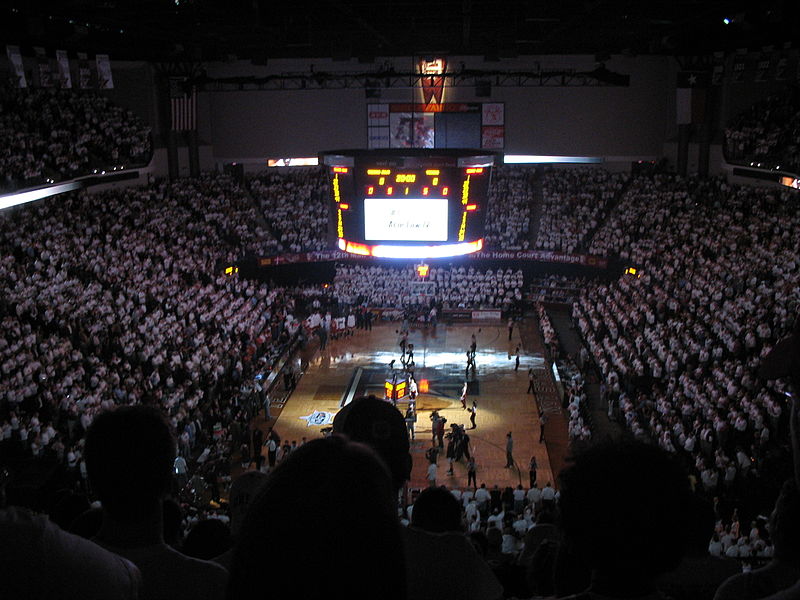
x,y
781,69
43,64
762,68
104,79
84,72
64,75
433,84
15,58
737,76
493,113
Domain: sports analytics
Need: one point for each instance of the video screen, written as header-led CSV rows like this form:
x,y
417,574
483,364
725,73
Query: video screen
x,y
406,219
412,130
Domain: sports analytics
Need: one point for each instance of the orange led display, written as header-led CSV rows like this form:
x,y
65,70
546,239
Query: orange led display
x,y
475,170
379,171
389,191
405,178
445,191
370,190
340,169
425,191
469,206
346,206
431,171
362,249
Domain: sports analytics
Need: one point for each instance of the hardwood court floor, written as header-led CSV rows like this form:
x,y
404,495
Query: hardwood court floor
x,y
358,365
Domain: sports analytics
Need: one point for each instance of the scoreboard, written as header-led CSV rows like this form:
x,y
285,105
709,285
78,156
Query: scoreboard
x,y
408,204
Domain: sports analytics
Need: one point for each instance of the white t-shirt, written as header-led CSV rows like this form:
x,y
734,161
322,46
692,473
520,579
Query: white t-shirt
x,y
432,472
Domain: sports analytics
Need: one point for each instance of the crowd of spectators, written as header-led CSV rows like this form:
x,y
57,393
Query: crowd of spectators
x,y
509,215
295,204
450,287
575,203
549,335
767,132
65,133
678,345
119,297
226,207
556,289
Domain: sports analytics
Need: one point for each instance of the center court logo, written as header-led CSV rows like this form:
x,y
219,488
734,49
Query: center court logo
x,y
318,418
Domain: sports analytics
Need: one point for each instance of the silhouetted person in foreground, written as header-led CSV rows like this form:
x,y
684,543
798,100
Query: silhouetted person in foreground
x,y
784,569
784,362
40,561
244,489
129,456
440,566
699,574
325,517
437,510
623,512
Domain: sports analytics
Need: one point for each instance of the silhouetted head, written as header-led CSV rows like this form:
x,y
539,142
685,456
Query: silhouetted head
x,y
700,523
243,490
785,523
616,499
331,503
129,454
379,425
437,510
207,539
784,359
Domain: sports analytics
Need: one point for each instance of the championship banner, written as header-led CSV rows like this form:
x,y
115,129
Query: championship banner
x,y
84,72
737,75
43,64
781,69
762,68
64,75
15,58
105,81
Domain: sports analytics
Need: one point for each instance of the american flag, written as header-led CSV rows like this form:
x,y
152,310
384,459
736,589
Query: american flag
x,y
184,112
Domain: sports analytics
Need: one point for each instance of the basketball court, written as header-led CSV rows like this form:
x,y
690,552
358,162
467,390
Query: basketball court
x,y
359,365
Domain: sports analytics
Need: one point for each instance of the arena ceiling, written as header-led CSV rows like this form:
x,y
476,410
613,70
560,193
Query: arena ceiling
x,y
263,29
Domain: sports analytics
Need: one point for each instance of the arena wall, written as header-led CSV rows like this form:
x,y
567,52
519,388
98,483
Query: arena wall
x,y
591,121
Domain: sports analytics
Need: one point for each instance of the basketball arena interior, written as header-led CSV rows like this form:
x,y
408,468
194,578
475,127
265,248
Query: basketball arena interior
x,y
414,300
